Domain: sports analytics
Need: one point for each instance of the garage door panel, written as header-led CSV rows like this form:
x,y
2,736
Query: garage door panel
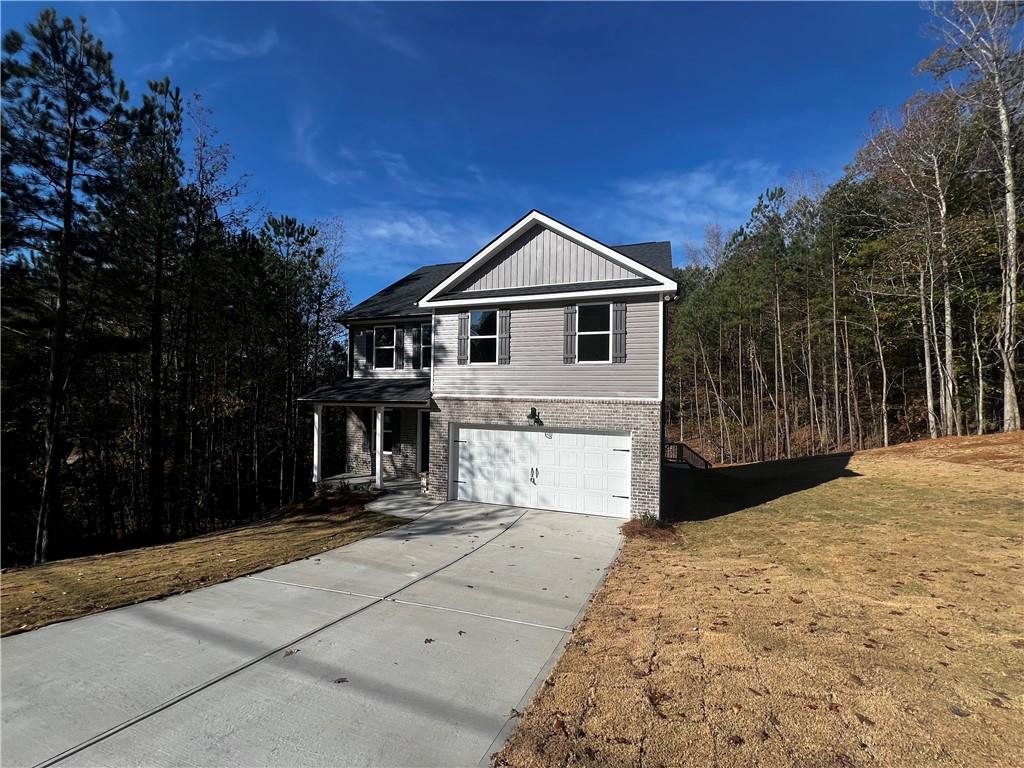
x,y
567,471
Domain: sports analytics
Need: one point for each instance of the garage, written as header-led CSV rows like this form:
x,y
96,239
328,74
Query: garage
x,y
566,471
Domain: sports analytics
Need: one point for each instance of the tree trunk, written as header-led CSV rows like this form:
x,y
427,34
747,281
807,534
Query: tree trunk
x,y
1008,309
933,430
49,523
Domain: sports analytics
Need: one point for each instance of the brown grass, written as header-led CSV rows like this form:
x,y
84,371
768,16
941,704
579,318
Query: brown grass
x,y
843,611
38,595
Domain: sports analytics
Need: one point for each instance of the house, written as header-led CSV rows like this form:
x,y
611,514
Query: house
x,y
529,375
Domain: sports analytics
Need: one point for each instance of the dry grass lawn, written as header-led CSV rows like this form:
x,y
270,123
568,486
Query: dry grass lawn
x,y
38,595
843,611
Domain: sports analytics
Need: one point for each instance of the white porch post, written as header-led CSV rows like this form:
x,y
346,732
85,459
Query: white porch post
x,y
378,447
318,442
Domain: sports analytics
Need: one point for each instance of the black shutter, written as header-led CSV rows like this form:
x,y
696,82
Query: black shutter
x,y
399,347
367,418
463,338
569,346
368,348
396,431
618,333
504,337
417,348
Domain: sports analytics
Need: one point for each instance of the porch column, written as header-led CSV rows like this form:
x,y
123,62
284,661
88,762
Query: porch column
x,y
318,443
378,448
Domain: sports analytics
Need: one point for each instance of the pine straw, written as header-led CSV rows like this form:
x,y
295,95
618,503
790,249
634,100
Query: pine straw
x,y
873,617
35,596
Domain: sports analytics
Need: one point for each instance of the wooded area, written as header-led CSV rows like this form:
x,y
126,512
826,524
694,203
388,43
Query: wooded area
x,y
882,308
156,331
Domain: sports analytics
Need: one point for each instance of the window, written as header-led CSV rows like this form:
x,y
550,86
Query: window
x,y
388,432
483,336
384,346
594,333
426,344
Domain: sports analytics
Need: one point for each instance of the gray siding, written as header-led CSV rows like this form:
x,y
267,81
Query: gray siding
x,y
537,348
360,368
542,257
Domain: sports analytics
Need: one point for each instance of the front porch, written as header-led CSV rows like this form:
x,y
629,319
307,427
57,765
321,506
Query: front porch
x,y
383,432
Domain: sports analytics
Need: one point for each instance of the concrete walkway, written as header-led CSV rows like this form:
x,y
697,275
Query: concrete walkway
x,y
407,648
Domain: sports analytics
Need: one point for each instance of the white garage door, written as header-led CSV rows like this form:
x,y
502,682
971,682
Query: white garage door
x,y
565,471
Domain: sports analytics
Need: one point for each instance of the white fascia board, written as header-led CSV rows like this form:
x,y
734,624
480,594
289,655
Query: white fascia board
x,y
495,301
536,217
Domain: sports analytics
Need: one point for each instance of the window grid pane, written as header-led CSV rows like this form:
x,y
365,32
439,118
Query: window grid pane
x,y
593,347
594,317
483,350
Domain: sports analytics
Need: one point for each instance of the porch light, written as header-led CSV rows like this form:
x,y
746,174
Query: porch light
x,y
534,418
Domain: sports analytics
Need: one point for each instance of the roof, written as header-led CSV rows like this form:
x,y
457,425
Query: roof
x,y
656,255
399,299
372,391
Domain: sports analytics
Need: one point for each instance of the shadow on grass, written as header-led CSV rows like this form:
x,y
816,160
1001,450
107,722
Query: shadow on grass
x,y
691,494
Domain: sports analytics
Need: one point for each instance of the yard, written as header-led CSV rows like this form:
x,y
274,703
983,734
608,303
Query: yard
x,y
838,611
65,589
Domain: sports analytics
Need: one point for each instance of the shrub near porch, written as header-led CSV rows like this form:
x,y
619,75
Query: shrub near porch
x,y
860,613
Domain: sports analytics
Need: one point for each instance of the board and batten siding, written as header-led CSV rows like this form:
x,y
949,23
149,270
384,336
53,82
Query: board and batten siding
x,y
542,257
537,369
362,370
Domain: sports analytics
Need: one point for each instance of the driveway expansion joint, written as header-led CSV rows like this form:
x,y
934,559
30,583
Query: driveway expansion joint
x,y
113,730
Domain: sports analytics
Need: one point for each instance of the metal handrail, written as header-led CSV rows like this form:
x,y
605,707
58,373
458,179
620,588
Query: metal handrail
x,y
681,453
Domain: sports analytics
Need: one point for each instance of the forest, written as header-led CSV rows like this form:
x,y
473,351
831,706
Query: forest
x,y
881,308
156,328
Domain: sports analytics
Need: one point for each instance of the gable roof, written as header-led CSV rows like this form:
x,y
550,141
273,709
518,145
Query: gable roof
x,y
656,255
437,297
400,298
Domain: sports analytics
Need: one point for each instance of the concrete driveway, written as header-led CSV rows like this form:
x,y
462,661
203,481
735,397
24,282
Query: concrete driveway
x,y
407,648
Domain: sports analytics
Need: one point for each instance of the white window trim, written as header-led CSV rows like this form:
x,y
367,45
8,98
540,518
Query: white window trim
x,y
429,360
607,333
393,347
469,342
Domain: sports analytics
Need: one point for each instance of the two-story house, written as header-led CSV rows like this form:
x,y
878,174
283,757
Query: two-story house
x,y
529,375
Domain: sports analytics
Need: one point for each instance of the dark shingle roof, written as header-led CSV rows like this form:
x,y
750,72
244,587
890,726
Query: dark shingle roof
x,y
656,256
399,299
397,391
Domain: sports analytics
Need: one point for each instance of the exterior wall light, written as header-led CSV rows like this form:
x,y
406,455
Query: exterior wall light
x,y
534,418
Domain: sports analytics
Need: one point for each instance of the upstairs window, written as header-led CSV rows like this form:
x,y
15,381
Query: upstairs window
x,y
594,333
483,336
384,346
426,344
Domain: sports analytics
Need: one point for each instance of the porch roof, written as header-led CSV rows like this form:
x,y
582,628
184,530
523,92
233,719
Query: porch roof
x,y
395,392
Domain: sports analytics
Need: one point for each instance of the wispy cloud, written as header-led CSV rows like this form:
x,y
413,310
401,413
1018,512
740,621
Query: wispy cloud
x,y
218,48
305,149
388,241
373,22
109,26
679,205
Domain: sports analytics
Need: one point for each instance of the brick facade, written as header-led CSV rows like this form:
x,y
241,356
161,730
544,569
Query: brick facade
x,y
359,450
641,419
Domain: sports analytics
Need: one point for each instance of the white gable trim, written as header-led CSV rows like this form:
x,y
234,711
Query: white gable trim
x,y
554,296
530,219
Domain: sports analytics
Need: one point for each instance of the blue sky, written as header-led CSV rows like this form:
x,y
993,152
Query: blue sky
x,y
429,128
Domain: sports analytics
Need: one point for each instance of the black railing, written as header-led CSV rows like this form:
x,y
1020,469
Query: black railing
x,y
681,453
